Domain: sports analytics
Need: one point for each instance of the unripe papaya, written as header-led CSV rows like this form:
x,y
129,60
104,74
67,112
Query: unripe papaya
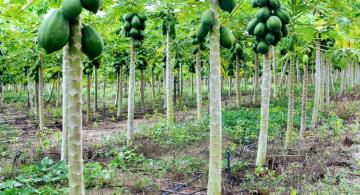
x,y
269,38
71,8
92,43
283,15
227,39
137,43
91,5
263,14
202,32
262,47
261,3
207,18
54,31
134,33
274,24
227,5
274,4
127,26
142,17
251,26
135,22
128,17
260,30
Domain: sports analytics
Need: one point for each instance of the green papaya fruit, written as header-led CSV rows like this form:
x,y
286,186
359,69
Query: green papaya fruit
x,y
227,39
91,5
54,31
71,8
134,33
274,4
127,26
254,4
269,38
128,17
283,15
207,18
263,14
262,47
251,26
142,25
135,22
137,43
92,43
141,34
260,30
227,5
202,32
274,24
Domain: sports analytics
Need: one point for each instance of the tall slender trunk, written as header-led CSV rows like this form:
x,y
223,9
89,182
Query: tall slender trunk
x,y
65,112
315,113
41,98
198,84
322,82
120,94
1,97
256,79
192,83
275,71
304,101
51,92
230,87
290,119
37,100
31,96
58,92
152,84
74,106
142,90
169,83
104,93
181,80
237,82
265,100
215,148
327,83
95,90
131,106
298,79
88,98
117,90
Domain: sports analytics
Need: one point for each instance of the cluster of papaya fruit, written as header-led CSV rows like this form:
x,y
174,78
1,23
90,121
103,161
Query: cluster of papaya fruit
x,y
269,26
227,39
54,31
168,24
237,51
134,27
201,44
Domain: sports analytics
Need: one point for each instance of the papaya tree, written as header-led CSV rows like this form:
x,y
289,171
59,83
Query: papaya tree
x,y
62,28
134,27
87,70
168,30
269,26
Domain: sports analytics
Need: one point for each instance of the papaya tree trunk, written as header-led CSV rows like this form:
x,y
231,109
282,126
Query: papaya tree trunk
x,y
95,90
58,92
198,84
118,111
88,97
1,97
215,148
264,121
104,93
131,105
65,112
275,71
37,100
152,84
304,101
192,83
256,79
117,90
315,113
41,98
169,83
142,90
322,82
290,119
327,83
51,93
74,106
237,82
181,80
